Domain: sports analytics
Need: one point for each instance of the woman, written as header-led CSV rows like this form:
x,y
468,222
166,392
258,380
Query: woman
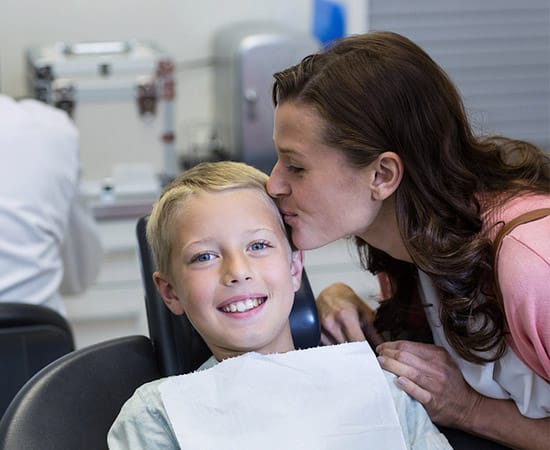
x,y
373,143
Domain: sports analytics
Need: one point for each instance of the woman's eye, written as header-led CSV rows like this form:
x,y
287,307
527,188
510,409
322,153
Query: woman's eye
x,y
294,169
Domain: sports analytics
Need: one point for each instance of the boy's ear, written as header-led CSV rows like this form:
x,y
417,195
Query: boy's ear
x,y
168,293
388,173
296,267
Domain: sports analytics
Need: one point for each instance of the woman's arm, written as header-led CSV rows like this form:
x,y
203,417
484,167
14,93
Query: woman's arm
x,y
427,373
501,421
345,317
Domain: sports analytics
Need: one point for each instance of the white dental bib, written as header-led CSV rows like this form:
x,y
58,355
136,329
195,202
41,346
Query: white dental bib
x,y
324,398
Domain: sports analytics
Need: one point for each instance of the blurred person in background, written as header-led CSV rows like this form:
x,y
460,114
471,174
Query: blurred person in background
x,y
49,241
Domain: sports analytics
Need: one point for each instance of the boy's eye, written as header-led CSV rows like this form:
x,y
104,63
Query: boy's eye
x,y
203,257
260,245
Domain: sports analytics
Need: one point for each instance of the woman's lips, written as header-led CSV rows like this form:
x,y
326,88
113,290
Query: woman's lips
x,y
288,217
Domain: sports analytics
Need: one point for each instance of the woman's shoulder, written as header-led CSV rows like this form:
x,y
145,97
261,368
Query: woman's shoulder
x,y
523,260
498,216
523,267
528,240
523,204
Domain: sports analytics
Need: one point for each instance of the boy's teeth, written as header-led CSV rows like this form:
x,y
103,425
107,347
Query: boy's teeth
x,y
246,305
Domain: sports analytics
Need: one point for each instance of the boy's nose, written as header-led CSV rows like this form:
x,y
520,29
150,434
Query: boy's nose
x,y
237,269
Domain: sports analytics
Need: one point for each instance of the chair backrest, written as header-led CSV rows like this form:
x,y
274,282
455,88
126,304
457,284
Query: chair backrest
x,y
72,402
31,336
178,346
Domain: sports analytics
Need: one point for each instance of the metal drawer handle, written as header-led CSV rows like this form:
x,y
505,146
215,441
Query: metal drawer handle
x,y
97,48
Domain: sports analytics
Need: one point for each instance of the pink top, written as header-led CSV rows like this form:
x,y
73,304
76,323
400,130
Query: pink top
x,y
524,275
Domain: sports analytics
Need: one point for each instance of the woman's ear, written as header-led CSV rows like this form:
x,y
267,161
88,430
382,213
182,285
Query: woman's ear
x,y
296,267
168,293
388,173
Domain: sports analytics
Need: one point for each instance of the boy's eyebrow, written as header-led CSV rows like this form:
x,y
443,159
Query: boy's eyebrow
x,y
258,230
207,240
198,241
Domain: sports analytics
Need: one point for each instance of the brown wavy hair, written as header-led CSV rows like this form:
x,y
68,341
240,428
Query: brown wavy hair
x,y
381,92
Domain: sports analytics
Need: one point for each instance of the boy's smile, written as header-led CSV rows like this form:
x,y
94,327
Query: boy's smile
x,y
236,305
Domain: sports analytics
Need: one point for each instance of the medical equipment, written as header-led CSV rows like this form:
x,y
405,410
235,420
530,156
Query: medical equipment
x,y
121,96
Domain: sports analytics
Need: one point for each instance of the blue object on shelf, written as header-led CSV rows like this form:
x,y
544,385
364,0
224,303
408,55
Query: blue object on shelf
x,y
329,21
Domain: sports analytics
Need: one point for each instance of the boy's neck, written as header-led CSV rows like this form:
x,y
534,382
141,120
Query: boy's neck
x,y
220,357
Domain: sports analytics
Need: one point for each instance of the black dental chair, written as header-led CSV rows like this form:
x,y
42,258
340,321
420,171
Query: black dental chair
x,y
31,336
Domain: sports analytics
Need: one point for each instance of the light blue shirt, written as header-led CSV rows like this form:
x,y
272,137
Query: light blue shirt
x,y
144,424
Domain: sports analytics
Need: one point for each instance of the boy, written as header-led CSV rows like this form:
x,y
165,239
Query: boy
x,y
224,259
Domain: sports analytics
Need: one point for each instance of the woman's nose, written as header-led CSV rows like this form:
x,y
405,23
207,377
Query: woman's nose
x,y
236,269
276,186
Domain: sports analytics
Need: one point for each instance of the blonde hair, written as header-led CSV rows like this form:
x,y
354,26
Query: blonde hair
x,y
204,177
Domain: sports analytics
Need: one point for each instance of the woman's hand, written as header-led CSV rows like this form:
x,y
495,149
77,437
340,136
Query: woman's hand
x,y
427,373
345,317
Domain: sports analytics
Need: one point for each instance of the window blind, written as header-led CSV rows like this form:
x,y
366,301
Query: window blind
x,y
497,52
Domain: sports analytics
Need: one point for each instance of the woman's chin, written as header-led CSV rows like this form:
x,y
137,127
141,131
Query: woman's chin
x,y
307,242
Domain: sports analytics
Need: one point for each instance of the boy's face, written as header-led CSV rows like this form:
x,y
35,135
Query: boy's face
x,y
232,272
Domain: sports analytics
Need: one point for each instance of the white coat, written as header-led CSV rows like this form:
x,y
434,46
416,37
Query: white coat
x,y
44,230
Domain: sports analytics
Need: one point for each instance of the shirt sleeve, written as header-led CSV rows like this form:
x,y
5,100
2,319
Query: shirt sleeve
x,y
81,250
142,423
418,430
524,278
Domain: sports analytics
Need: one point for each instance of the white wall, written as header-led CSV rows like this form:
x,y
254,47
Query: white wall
x,y
183,28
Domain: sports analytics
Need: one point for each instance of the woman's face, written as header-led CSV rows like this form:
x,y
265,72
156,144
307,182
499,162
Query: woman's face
x,y
322,198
